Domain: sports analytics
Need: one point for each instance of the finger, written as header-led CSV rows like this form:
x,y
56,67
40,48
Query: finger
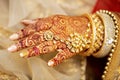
x,y
31,40
23,32
43,48
62,55
28,22
33,26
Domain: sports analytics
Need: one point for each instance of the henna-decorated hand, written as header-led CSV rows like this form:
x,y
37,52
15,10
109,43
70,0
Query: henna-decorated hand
x,y
69,35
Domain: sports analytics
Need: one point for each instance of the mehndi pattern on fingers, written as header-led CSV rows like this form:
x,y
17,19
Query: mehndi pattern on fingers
x,y
32,26
31,40
42,48
62,55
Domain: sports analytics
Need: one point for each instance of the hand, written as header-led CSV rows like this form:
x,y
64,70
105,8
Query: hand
x,y
69,35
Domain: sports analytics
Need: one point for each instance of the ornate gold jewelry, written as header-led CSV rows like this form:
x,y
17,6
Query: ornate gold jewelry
x,y
115,40
99,33
76,43
93,35
48,35
109,34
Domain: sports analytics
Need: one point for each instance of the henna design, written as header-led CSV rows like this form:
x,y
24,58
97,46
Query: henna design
x,y
33,26
65,25
26,31
31,40
42,48
62,55
61,26
79,24
44,24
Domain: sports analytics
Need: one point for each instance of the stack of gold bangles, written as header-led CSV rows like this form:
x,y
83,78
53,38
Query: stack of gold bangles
x,y
97,34
104,35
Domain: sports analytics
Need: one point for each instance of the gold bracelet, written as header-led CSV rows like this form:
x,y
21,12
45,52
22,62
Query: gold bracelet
x,y
99,33
114,43
92,36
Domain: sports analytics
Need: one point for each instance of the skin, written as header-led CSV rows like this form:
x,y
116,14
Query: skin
x,y
31,36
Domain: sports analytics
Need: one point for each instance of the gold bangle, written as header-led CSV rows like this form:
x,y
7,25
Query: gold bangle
x,y
109,34
99,33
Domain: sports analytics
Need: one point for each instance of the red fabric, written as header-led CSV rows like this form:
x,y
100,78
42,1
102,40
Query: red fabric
x,y
111,5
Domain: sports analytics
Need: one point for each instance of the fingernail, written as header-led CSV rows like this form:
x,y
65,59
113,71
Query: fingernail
x,y
26,22
50,63
14,36
12,48
24,54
